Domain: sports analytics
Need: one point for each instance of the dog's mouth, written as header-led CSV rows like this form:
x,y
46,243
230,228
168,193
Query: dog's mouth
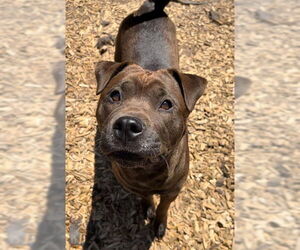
x,y
126,156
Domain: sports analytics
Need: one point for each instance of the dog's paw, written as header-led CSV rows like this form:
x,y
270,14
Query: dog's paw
x,y
148,211
150,214
159,229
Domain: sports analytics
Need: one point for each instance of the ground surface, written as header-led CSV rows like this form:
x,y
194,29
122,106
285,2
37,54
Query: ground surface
x,y
267,125
267,174
202,216
29,32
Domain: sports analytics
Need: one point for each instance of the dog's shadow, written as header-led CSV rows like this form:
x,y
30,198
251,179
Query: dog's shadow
x,y
116,220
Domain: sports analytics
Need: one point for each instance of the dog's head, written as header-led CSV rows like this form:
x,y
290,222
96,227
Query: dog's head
x,y
142,114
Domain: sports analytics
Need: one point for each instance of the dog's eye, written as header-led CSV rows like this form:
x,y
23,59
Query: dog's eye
x,y
115,96
166,105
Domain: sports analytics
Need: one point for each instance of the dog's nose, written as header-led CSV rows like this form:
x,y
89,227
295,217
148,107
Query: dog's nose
x,y
127,128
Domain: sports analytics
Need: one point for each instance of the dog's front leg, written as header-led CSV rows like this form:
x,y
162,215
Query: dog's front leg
x,y
160,223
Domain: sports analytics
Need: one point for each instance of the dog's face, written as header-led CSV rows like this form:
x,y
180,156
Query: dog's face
x,y
142,114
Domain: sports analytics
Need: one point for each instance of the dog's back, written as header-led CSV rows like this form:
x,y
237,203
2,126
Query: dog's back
x,y
147,37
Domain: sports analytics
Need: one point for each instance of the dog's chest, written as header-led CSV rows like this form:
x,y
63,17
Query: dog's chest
x,y
142,180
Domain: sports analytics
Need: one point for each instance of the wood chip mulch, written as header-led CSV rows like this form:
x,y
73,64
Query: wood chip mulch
x,y
100,214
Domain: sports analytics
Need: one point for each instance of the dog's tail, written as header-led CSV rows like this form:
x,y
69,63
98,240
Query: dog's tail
x,y
161,4
158,5
151,6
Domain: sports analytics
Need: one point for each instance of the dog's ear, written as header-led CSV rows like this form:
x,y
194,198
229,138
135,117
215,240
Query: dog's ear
x,y
192,87
105,71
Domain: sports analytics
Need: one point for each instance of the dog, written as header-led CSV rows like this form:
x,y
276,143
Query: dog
x,y
143,108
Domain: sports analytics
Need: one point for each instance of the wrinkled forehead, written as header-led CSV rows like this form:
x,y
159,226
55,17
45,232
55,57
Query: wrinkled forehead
x,y
137,81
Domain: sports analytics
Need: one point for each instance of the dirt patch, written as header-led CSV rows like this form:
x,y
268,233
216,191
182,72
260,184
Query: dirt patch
x,y
267,125
27,54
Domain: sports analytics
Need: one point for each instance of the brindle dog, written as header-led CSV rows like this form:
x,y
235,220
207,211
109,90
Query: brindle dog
x,y
143,108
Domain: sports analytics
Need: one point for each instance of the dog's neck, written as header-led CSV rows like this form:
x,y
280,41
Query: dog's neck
x,y
178,156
